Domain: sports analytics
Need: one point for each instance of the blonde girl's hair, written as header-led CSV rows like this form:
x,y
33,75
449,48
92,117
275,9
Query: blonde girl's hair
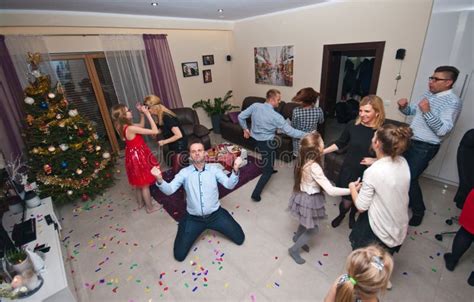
x,y
368,272
119,118
377,104
309,152
394,140
154,102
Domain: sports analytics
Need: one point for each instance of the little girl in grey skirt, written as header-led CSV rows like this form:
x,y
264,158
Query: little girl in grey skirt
x,y
307,201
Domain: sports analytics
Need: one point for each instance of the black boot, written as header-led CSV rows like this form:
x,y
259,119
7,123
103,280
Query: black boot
x,y
449,261
352,215
342,213
470,281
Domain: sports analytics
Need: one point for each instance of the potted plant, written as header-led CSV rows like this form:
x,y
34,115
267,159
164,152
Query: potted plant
x,y
215,110
18,258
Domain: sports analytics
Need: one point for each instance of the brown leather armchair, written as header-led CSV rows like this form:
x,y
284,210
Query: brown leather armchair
x,y
191,127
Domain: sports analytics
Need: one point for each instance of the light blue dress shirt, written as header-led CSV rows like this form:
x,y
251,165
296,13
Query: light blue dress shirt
x,y
202,194
265,121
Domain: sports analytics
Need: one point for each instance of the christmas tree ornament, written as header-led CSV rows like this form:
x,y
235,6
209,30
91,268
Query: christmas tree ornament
x,y
63,147
51,95
97,148
69,192
62,124
47,169
73,112
64,164
108,175
90,148
59,88
96,164
51,149
30,119
36,73
59,116
35,150
78,171
85,197
29,100
106,155
80,132
84,160
43,105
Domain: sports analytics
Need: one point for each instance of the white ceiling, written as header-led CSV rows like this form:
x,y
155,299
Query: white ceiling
x,y
201,9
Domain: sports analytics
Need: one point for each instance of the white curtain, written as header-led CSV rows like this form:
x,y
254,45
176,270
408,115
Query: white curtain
x,y
128,65
19,46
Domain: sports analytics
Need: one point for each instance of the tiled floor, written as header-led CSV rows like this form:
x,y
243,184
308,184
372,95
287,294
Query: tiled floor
x,y
118,253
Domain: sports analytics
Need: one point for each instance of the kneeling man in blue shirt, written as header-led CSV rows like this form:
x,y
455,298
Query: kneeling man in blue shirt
x,y
203,209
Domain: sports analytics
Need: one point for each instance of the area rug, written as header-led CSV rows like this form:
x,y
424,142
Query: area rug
x,y
175,204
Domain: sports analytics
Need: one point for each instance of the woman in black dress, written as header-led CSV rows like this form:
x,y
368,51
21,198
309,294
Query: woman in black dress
x,y
171,130
357,136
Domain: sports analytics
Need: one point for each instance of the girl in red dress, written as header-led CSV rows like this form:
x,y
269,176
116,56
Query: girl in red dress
x,y
138,158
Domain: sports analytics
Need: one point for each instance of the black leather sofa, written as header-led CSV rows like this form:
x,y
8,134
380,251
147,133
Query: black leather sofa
x,y
232,132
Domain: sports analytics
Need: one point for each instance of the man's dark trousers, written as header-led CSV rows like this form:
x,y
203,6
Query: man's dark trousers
x,y
418,156
191,227
267,149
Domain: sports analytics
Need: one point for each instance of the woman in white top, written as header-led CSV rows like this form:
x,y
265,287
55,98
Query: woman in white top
x,y
307,200
383,197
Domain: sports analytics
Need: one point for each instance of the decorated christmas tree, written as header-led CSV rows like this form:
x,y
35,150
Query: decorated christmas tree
x,y
65,155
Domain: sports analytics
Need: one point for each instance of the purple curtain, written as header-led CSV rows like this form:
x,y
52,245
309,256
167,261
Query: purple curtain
x,y
163,75
11,98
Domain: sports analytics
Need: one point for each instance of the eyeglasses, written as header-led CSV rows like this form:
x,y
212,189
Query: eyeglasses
x,y
437,79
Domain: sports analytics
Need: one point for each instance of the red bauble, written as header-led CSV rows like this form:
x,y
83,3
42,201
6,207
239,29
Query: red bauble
x,y
97,164
80,132
108,175
85,197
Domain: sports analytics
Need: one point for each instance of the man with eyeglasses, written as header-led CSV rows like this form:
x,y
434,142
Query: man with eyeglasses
x,y
435,116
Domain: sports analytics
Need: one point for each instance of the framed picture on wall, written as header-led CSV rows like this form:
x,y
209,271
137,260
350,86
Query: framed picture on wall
x,y
190,69
207,76
208,60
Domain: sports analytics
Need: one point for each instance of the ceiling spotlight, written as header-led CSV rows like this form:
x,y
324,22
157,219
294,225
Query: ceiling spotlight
x,y
220,10
154,4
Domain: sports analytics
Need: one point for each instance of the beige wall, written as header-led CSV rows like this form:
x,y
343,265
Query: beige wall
x,y
185,45
402,24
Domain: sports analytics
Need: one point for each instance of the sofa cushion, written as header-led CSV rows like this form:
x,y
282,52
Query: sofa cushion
x,y
287,110
233,116
200,130
248,101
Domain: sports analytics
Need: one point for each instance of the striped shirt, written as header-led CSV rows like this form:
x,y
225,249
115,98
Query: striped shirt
x,y
432,126
265,122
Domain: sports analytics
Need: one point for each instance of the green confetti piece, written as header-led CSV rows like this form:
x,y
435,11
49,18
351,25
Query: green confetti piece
x,y
220,268
138,281
412,238
186,285
205,285
109,283
433,269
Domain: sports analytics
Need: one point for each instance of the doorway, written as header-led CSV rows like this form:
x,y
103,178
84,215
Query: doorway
x,y
349,72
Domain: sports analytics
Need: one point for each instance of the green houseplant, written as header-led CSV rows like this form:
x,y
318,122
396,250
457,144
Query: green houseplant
x,y
18,258
215,110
